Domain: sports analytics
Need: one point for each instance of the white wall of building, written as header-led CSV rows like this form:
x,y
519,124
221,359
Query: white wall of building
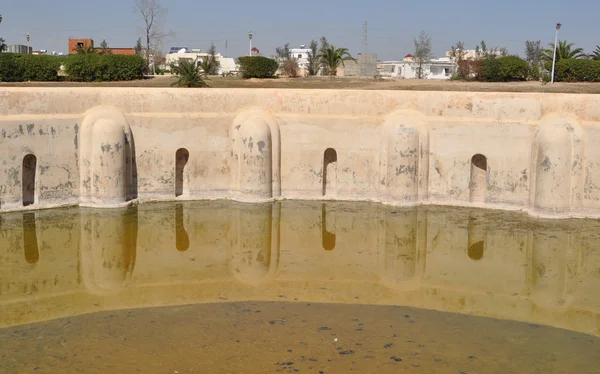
x,y
440,68
227,64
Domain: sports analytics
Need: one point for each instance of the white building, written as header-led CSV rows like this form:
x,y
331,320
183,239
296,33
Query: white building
x,y
471,54
407,68
301,55
19,48
176,54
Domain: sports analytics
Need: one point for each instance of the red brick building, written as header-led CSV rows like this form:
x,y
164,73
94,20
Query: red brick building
x,y
86,43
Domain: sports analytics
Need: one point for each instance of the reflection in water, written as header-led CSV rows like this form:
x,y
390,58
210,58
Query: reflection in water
x,y
476,237
554,267
400,256
182,240
108,247
30,242
328,238
252,242
516,267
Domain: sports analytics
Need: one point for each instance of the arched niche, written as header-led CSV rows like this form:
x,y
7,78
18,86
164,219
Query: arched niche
x,y
478,178
106,158
182,157
404,157
330,172
255,158
28,180
557,165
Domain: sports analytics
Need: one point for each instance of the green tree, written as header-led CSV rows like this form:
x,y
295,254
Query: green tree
x,y
188,74
422,52
2,45
82,50
324,68
103,47
210,65
333,57
283,53
596,54
153,16
457,52
324,42
139,49
533,52
313,60
564,51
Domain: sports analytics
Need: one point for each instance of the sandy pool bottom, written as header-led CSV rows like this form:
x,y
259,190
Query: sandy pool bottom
x,y
292,337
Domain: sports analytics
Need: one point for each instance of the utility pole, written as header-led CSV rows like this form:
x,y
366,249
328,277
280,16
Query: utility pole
x,y
366,37
225,47
250,37
554,57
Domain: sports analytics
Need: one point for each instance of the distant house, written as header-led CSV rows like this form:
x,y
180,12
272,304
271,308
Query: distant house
x,y
87,43
19,48
407,68
301,55
177,54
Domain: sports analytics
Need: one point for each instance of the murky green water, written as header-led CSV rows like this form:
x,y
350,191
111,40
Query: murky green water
x,y
203,287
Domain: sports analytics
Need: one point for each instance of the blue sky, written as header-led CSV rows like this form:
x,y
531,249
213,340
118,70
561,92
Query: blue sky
x,y
392,24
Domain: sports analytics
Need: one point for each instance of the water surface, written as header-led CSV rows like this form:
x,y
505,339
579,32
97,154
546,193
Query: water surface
x,y
229,287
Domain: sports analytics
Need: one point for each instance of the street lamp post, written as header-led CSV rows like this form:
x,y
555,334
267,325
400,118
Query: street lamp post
x,y
554,57
250,36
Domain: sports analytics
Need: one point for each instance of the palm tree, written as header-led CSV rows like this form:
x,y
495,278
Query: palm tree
x,y
596,54
333,57
209,65
564,50
189,74
85,50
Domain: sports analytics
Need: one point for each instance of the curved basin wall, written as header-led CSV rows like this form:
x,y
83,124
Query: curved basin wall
x,y
107,147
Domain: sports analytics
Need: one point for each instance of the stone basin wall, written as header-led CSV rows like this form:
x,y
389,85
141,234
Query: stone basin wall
x,y
108,147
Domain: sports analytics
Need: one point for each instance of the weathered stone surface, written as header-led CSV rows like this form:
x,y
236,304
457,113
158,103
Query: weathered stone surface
x,y
110,146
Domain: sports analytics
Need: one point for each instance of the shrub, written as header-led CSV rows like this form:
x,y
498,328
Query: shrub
x,y
546,78
257,67
10,70
470,70
39,68
290,67
505,69
534,73
491,71
18,68
89,67
576,70
188,74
